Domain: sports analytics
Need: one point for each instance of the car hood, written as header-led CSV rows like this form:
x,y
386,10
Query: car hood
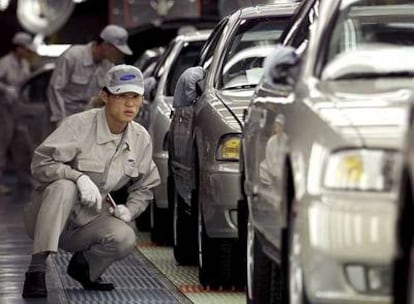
x,y
232,105
373,113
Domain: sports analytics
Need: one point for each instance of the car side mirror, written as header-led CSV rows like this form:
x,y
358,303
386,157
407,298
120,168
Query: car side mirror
x,y
281,66
150,88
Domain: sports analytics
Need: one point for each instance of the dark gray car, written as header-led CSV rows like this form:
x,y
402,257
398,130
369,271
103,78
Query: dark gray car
x,y
182,53
205,142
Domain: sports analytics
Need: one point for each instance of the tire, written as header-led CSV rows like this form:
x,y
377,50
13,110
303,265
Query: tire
x,y
143,221
240,275
293,287
221,260
160,225
264,275
215,262
184,242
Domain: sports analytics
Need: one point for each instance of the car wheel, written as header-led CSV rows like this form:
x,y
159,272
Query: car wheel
x,y
143,222
215,262
160,225
183,243
264,276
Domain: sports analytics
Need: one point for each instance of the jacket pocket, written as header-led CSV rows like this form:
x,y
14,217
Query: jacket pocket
x,y
131,171
87,165
79,79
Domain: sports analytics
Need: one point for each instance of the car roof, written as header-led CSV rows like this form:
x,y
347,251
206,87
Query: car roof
x,y
280,8
194,36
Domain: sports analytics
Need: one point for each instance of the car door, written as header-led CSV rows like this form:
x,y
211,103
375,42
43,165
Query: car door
x,y
182,149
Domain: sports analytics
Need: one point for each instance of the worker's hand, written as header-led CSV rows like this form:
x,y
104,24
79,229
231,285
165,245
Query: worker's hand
x,y
89,192
11,94
121,212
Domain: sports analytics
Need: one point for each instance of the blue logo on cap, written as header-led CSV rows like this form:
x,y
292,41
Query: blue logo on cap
x,y
127,77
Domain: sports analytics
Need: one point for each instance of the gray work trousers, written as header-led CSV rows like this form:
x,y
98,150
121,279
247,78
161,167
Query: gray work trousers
x,y
6,134
16,140
52,224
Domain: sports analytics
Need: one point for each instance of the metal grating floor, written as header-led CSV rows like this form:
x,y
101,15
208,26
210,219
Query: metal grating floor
x,y
148,276
185,278
136,281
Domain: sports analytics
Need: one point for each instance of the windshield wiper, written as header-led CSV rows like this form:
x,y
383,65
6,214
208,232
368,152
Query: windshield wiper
x,y
373,75
241,86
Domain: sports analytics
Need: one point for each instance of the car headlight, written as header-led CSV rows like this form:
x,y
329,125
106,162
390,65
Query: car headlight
x,y
229,147
362,170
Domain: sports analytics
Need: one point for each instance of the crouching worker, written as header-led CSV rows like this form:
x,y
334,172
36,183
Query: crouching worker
x,y
87,156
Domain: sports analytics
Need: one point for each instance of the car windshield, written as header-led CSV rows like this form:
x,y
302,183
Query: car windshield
x,y
252,42
372,38
188,57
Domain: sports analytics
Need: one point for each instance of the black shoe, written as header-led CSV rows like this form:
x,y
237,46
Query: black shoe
x,y
35,285
78,269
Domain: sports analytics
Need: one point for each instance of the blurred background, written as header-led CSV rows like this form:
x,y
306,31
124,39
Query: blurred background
x,y
79,21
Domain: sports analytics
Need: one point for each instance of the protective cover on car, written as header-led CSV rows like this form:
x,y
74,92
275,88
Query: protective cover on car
x,y
186,90
281,56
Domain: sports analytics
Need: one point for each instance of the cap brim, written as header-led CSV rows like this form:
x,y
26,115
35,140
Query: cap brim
x,y
30,47
126,88
124,49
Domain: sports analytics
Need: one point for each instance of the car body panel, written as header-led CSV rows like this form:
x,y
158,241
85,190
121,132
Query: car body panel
x,y
218,113
343,235
156,113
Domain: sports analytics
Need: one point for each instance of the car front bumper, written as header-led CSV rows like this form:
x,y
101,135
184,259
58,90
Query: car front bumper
x,y
219,195
348,244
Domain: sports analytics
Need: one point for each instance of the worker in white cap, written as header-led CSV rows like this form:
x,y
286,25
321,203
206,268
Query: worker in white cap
x,y
14,69
89,155
80,71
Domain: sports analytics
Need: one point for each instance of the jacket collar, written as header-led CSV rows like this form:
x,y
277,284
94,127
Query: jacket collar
x,y
87,55
104,135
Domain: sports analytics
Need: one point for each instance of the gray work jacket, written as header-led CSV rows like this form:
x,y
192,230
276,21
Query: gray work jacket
x,y
74,81
83,144
12,73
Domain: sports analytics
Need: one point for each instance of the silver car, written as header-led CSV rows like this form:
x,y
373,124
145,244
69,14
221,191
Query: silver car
x,y
205,142
183,52
259,227
326,150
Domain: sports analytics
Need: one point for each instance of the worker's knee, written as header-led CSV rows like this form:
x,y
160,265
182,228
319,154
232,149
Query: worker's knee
x,y
124,239
62,188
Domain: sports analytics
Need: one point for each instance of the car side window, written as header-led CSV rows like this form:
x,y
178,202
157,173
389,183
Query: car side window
x,y
188,57
159,67
210,46
300,40
298,31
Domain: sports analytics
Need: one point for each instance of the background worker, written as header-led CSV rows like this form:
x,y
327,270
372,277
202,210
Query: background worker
x,y
14,69
89,155
80,71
